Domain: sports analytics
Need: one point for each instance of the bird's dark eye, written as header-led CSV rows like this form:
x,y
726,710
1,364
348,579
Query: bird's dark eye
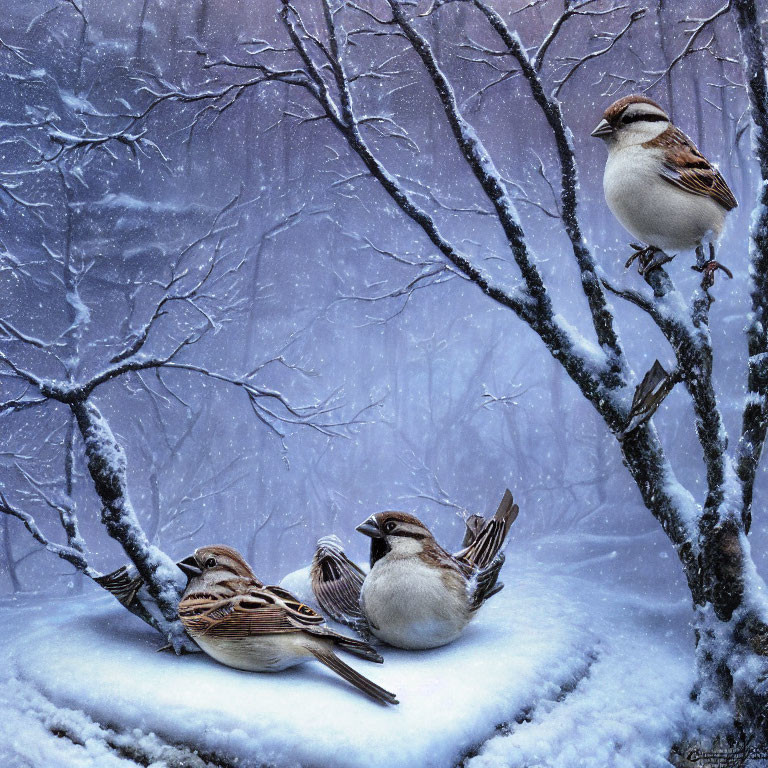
x,y
210,562
390,526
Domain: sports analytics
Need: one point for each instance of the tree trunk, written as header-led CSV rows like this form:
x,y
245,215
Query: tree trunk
x,y
732,637
107,467
9,559
729,603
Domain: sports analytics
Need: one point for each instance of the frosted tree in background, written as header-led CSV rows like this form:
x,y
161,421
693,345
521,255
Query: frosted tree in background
x,y
60,160
335,54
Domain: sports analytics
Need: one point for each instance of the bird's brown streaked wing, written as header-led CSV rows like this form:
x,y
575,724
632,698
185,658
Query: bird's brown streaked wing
x,y
337,583
242,616
486,545
123,583
296,610
485,583
474,524
686,168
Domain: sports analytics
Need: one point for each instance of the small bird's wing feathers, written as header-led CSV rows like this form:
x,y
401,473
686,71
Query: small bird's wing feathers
x,y
262,611
649,394
312,622
297,611
474,524
486,545
236,617
350,644
333,662
259,611
123,583
337,582
485,583
686,168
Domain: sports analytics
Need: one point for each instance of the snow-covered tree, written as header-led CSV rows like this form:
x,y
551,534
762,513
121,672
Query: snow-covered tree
x,y
350,62
103,289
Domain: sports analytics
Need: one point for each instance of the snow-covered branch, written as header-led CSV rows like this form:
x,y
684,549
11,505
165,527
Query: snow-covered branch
x,y
699,26
601,315
571,10
576,62
755,414
71,554
686,327
188,286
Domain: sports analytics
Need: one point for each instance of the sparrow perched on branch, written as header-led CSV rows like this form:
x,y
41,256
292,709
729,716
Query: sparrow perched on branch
x,y
244,624
660,187
416,594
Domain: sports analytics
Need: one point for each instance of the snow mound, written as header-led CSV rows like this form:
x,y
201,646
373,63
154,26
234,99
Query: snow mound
x,y
554,671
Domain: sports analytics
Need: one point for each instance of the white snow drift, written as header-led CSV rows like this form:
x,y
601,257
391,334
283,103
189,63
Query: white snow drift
x,y
557,670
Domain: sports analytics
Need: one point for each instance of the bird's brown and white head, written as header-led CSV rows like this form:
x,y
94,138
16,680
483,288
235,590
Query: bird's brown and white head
x,y
396,532
631,120
216,567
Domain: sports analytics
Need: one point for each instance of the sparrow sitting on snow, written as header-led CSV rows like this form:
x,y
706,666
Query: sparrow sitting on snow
x,y
240,622
660,187
416,594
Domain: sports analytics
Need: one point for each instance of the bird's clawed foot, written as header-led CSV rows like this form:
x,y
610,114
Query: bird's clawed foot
x,y
708,267
649,257
708,271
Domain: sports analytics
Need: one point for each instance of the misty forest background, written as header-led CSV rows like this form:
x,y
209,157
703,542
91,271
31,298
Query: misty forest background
x,y
421,394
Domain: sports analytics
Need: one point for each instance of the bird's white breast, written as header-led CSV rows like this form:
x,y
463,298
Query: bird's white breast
x,y
258,653
653,210
409,605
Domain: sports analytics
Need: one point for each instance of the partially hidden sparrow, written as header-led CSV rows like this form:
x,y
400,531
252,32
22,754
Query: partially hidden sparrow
x,y
416,594
660,187
244,624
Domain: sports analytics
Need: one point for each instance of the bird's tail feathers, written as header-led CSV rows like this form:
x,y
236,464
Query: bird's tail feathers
x,y
333,662
487,543
358,648
485,583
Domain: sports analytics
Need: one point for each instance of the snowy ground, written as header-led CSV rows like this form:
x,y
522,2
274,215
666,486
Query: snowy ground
x,y
560,669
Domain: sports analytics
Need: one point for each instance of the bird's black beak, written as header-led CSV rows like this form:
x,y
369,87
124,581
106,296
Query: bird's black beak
x,y
370,528
602,130
190,567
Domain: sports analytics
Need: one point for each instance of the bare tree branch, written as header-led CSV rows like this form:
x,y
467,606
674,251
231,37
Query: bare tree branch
x,y
699,26
73,556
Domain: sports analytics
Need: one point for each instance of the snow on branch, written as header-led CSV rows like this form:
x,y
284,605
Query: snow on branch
x,y
214,99
571,10
11,332
478,159
316,416
576,62
20,403
755,413
686,327
68,143
189,287
699,26
602,318
71,554
59,503
343,116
